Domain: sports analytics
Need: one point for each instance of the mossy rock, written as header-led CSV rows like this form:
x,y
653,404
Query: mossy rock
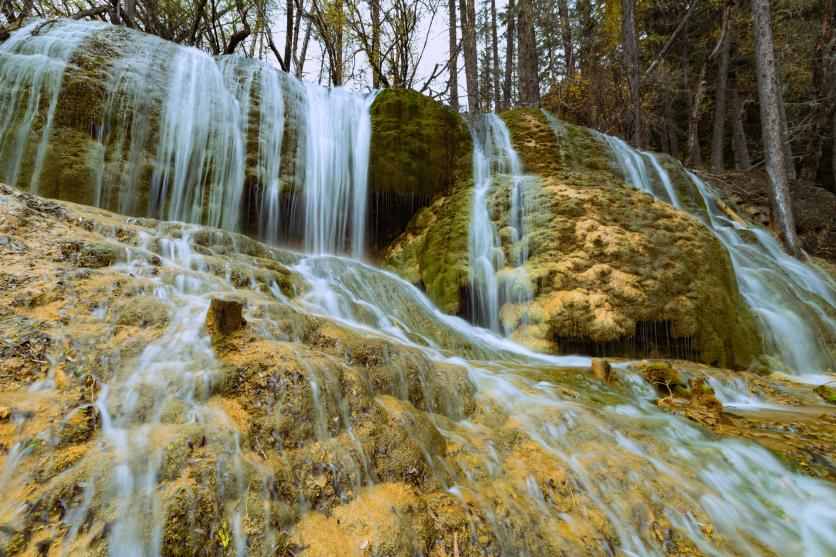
x,y
419,146
827,392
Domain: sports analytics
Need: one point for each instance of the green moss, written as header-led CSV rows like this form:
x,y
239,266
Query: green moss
x,y
612,256
419,146
434,250
827,392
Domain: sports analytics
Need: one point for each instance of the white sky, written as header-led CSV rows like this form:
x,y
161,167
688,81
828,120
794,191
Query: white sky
x,y
436,51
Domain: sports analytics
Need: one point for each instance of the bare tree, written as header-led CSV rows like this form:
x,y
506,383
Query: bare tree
x,y
769,93
495,46
719,130
510,41
694,156
631,64
566,36
527,64
467,14
453,58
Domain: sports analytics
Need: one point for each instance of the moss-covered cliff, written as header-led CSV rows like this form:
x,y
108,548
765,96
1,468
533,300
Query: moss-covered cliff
x,y
612,270
420,151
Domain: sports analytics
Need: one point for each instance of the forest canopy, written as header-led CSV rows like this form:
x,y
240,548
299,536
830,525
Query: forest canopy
x,y
678,77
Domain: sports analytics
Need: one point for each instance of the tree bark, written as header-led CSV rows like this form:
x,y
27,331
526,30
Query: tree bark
x,y
719,129
375,53
467,13
790,161
527,65
631,64
769,94
694,155
495,38
566,35
453,63
509,55
739,142
300,61
670,128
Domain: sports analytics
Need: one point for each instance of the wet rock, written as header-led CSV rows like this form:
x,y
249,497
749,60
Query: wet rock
x,y
95,256
663,377
5,413
225,316
601,369
827,392
702,395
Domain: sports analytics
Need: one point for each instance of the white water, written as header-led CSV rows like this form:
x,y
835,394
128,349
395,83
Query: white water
x,y
234,138
32,66
494,278
606,442
745,492
794,303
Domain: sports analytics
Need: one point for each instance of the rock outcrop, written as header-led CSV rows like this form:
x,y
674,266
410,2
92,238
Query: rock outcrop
x,y
612,271
124,421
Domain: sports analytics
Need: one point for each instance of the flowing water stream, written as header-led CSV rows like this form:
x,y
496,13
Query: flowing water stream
x,y
236,140
496,279
794,302
548,456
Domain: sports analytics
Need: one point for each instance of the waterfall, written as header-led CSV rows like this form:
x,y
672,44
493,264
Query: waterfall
x,y
182,135
32,65
495,279
792,301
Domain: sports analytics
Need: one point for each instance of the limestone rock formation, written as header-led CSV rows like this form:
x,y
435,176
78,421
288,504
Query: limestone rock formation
x,y
612,271
420,151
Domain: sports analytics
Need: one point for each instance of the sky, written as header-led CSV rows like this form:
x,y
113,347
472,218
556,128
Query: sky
x,y
436,50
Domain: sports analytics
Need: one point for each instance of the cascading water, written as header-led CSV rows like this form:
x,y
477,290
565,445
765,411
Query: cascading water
x,y
625,464
32,66
495,279
234,139
793,302
201,445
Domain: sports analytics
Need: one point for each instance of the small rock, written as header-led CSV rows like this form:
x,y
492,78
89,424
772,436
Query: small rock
x,y
827,392
602,369
225,316
5,413
703,395
96,256
663,377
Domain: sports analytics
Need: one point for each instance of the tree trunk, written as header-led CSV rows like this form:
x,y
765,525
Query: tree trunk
x,y
769,94
833,150
790,164
453,63
494,36
566,35
527,65
739,142
631,64
375,53
719,130
587,26
509,55
303,55
467,12
291,34
670,128
825,103
694,155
